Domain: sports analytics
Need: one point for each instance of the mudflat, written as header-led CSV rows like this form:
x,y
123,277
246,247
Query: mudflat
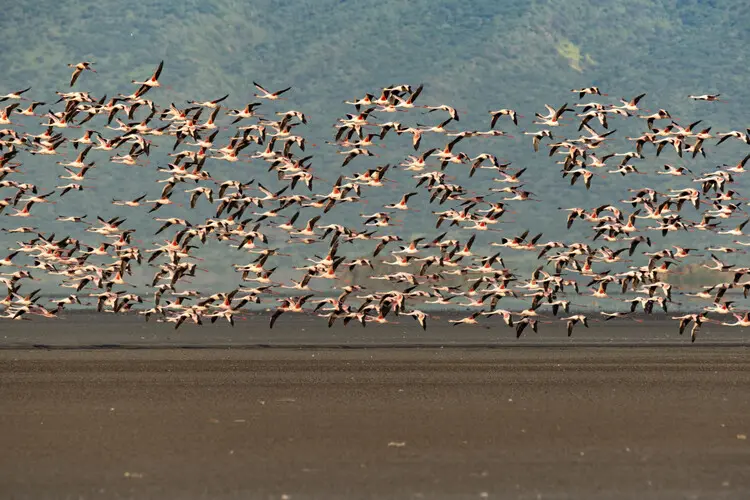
x,y
542,422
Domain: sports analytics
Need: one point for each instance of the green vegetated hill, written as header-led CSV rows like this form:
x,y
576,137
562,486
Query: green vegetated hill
x,y
478,55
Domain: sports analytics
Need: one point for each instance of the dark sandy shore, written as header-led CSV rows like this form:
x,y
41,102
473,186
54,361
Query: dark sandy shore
x,y
574,423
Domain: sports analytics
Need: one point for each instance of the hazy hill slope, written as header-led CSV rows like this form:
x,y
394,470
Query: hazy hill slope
x,y
513,50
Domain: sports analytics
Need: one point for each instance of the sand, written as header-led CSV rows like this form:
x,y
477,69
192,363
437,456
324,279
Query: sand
x,y
527,422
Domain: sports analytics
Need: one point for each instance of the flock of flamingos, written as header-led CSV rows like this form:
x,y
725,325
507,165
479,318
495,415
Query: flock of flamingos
x,y
258,222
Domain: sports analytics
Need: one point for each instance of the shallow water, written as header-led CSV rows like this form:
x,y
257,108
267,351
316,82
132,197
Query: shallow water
x,y
294,330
